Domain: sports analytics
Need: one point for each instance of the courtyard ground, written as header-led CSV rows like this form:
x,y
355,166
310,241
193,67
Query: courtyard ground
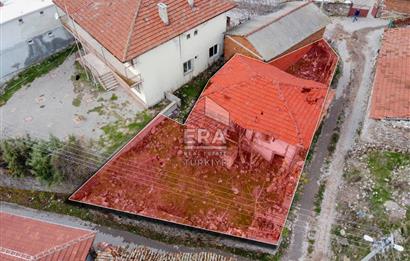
x,y
61,105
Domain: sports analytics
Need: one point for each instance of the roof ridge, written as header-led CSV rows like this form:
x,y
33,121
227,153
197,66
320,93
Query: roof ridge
x,y
131,31
276,19
289,112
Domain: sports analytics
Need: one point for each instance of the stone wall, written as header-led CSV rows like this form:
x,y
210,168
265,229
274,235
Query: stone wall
x,y
335,9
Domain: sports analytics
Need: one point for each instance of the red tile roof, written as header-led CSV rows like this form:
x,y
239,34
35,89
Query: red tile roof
x,y
128,28
263,98
32,239
391,89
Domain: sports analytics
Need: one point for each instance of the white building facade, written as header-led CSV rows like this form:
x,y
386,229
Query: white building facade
x,y
161,69
30,33
174,63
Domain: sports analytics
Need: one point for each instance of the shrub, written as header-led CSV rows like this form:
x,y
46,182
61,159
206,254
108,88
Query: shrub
x,y
40,160
15,153
73,162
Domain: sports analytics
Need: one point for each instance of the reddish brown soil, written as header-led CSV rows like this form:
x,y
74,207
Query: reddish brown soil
x,y
315,62
155,176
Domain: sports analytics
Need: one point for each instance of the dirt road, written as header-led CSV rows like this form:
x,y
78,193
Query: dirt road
x,y
362,45
357,45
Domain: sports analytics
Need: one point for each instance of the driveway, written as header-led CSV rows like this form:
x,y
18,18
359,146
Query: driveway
x,y
57,104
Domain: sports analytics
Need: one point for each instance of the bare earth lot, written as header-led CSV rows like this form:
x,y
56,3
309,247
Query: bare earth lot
x,y
57,104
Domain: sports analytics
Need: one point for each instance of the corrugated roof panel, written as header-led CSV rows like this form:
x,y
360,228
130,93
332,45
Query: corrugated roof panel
x,y
278,36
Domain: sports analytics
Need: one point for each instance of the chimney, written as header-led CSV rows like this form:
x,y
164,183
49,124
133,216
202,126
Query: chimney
x,y
163,12
191,3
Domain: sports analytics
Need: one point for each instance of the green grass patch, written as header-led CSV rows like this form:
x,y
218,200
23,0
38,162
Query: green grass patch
x,y
319,197
30,74
313,145
99,110
381,165
190,92
114,97
77,101
118,133
333,142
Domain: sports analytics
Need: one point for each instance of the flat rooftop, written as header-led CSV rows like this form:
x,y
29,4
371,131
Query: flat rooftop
x,y
14,9
242,184
391,87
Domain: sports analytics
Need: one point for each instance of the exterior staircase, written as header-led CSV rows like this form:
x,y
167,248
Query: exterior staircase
x,y
109,81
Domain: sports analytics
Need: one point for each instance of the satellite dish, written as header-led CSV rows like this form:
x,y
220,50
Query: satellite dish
x,y
398,248
368,238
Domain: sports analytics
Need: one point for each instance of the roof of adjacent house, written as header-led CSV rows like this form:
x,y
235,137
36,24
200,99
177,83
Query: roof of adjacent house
x,y
25,238
391,89
273,34
129,28
264,98
13,9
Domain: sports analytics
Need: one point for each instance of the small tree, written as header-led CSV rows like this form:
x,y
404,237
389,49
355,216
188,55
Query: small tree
x,y
16,153
73,162
40,160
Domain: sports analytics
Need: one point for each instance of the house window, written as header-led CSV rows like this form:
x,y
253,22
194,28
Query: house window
x,y
213,51
21,21
41,12
187,66
196,32
188,36
50,34
138,87
30,42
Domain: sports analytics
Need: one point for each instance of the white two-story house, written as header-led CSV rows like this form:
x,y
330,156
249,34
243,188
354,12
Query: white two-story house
x,y
149,47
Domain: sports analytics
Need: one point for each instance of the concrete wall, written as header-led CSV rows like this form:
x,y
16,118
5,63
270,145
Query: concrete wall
x,y
29,42
335,8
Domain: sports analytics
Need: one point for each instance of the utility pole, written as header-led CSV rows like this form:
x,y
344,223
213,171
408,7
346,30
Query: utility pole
x,y
380,246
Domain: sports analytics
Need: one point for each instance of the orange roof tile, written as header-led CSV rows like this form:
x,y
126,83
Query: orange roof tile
x,y
31,238
391,89
263,98
129,28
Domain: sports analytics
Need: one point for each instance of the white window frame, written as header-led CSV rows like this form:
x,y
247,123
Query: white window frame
x,y
189,68
214,53
138,87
